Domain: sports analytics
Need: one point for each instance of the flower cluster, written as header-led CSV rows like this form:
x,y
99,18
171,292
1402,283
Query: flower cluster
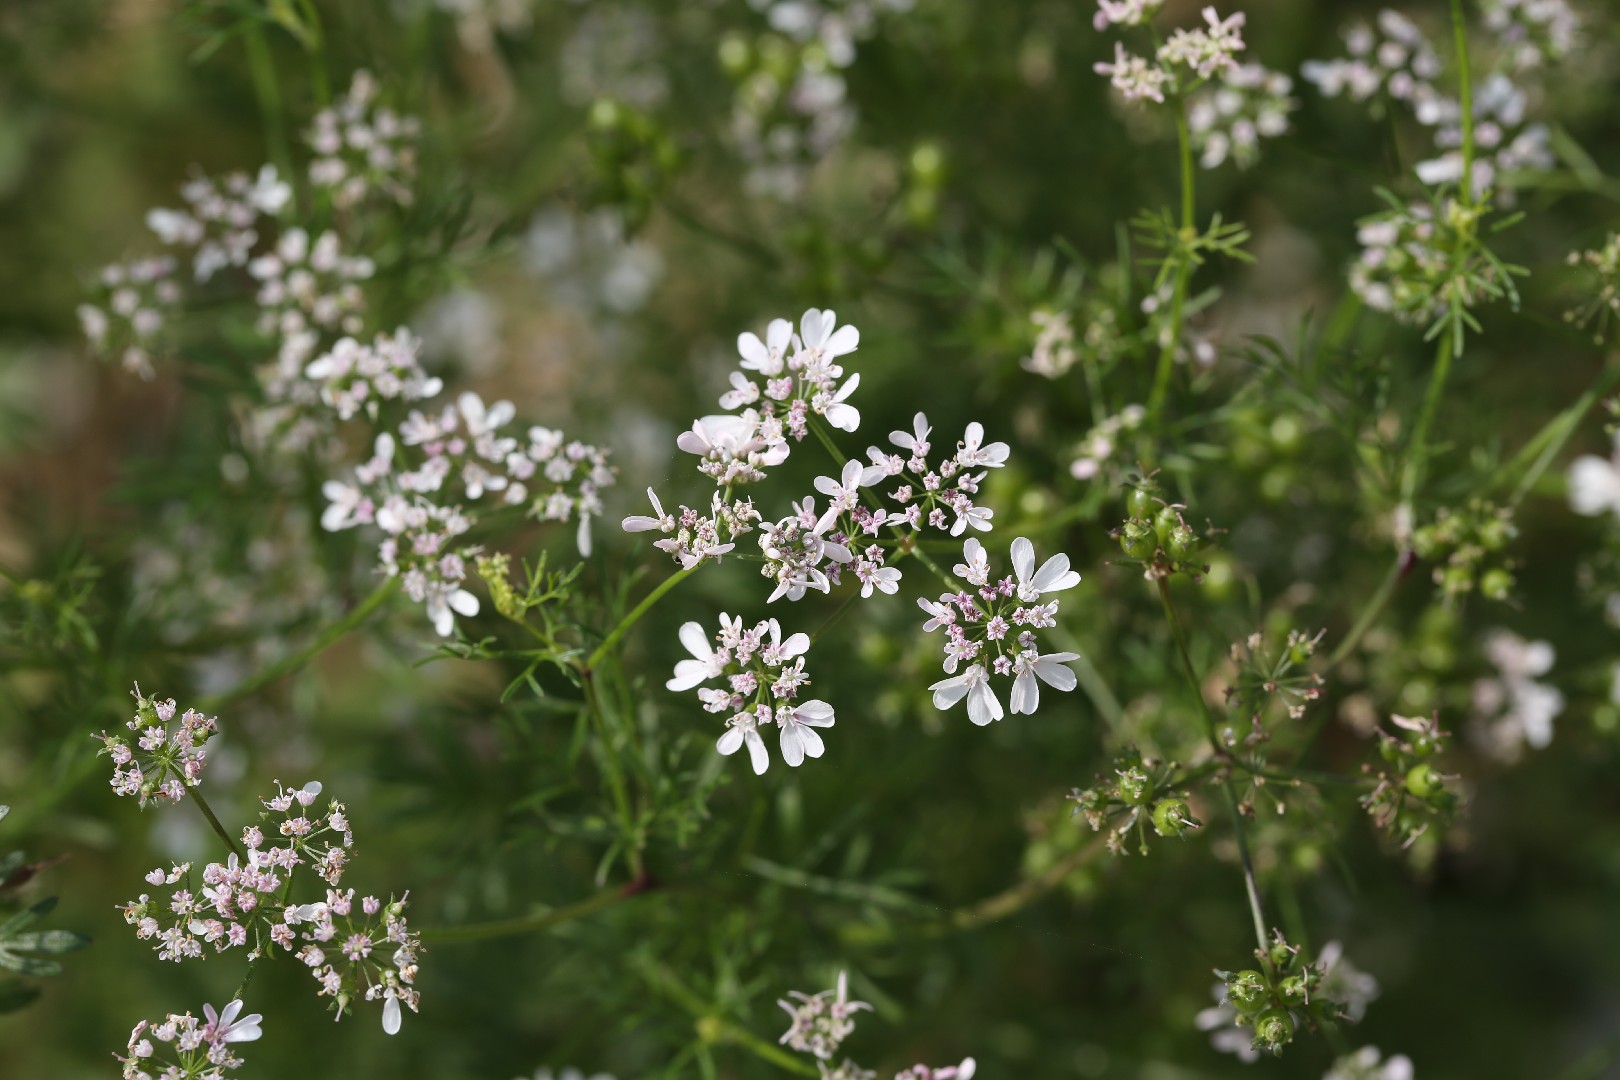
x,y
796,546
363,148
183,1047
1409,793
154,763
1265,677
690,537
132,301
358,951
461,455
1097,449
1601,303
1054,352
1157,535
352,377
1228,118
819,1023
1141,792
1512,709
1208,50
1421,262
1392,56
1260,1010
1534,32
241,903
982,630
1504,143
306,290
763,675
220,221
790,107
1466,546
1125,13
801,373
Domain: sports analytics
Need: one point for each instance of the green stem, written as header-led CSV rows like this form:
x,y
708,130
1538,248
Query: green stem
x,y
1167,356
615,776
289,664
208,812
253,965
530,924
317,53
1250,884
1370,613
617,633
1550,441
715,1029
1465,97
1416,447
262,69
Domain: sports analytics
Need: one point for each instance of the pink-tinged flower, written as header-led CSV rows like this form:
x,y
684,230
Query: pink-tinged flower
x,y
226,1026
1053,576
444,604
842,494
1050,669
975,570
706,663
973,684
799,738
744,731
915,440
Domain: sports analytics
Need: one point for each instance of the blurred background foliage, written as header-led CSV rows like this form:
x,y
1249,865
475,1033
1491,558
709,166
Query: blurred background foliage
x,y
586,241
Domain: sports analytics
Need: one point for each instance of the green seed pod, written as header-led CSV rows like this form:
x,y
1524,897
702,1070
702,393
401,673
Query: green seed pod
x,y
1134,787
1247,991
1273,1030
1281,956
1421,781
1166,522
1138,540
1183,543
1172,817
1143,500
1295,989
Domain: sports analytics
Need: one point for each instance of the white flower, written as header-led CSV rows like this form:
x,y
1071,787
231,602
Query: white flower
x,y
1134,77
1514,709
766,357
842,494
839,413
444,604
817,333
976,570
1053,576
1365,1064
1344,984
1050,669
744,730
973,684
1224,1033
1594,483
225,1025
706,663
642,523
799,739
915,440
972,454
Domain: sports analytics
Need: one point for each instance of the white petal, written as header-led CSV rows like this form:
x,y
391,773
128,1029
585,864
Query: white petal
x,y
391,1014
1026,694
793,745
757,755
983,705
751,349
688,674
1055,575
813,746
464,603
1054,671
846,340
1023,559
730,742
815,713
696,640
795,645
1594,486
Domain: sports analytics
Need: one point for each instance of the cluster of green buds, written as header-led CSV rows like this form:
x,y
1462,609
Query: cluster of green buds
x,y
632,157
1266,676
154,763
1601,291
1157,536
1141,792
1270,1000
1410,794
1466,547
